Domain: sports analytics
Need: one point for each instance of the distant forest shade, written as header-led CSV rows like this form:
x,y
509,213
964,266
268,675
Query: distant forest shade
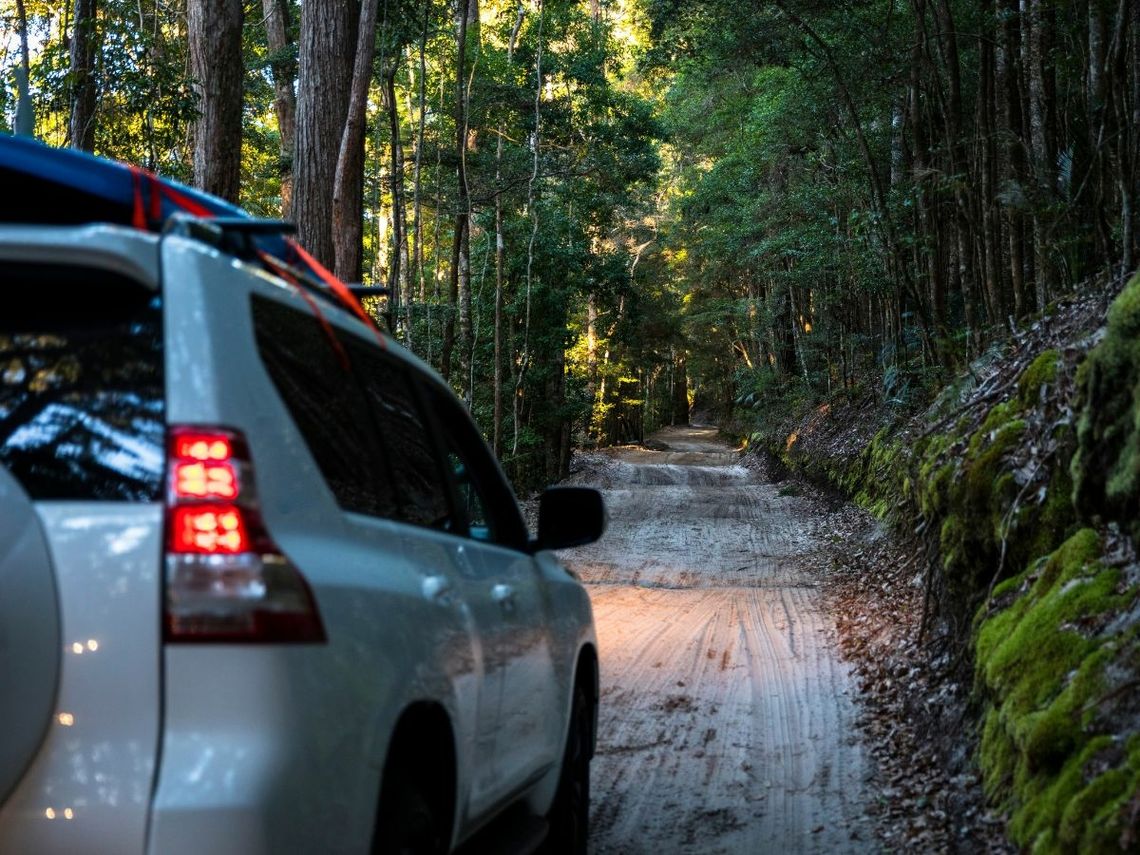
x,y
880,188
594,214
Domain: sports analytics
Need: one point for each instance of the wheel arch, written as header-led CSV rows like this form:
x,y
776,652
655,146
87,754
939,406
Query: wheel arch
x,y
421,749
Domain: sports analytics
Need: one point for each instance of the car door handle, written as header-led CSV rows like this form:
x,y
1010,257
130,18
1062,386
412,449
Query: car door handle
x,y
436,588
504,595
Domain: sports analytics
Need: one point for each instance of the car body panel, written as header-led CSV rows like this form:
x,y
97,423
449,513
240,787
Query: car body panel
x,y
30,644
89,788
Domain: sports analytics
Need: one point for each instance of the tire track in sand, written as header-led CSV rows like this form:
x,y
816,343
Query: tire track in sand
x,y
727,721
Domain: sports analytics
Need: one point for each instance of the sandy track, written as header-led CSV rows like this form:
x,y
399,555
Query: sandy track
x,y
727,721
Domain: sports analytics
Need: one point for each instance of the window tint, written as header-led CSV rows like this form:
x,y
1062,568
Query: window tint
x,y
327,405
421,484
492,513
81,384
479,524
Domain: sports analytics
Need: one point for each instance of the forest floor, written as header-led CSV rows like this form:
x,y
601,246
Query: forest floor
x,y
759,669
729,722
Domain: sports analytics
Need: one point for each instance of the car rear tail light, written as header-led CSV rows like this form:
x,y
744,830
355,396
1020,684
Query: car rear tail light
x,y
226,580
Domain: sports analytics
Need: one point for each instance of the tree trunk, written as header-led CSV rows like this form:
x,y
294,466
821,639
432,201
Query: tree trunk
x,y
463,18
25,113
348,189
1043,140
1013,164
214,31
991,227
500,253
284,67
523,361
84,47
328,35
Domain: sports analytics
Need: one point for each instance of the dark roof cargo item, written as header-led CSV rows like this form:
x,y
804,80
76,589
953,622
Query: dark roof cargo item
x,y
49,186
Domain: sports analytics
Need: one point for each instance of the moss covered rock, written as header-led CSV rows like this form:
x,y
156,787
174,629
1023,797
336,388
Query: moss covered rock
x,y
1106,467
1068,786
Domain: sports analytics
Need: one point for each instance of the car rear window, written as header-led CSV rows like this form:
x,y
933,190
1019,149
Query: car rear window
x,y
81,384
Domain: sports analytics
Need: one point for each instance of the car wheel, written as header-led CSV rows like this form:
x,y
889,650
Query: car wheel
x,y
569,815
407,825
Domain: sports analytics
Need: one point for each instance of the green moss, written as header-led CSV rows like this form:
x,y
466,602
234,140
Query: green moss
x,y
1041,372
1106,467
975,495
1044,675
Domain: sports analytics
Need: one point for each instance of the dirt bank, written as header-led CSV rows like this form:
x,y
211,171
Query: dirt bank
x,y
727,720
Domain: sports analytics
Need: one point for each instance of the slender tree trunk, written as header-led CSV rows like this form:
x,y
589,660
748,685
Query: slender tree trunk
x,y
84,48
328,35
398,282
500,254
466,332
459,235
1043,140
1014,167
214,29
276,14
991,227
25,112
348,184
523,361
417,272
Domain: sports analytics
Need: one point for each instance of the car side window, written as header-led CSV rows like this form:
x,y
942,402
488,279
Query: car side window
x,y
311,372
422,485
479,523
486,499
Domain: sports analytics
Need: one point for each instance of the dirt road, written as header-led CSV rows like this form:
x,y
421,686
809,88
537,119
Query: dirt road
x,y
727,721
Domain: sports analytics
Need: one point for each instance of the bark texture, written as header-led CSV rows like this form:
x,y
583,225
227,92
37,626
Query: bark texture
x,y
327,42
84,45
214,30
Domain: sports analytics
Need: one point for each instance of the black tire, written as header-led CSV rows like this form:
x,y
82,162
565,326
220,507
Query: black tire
x,y
407,824
569,816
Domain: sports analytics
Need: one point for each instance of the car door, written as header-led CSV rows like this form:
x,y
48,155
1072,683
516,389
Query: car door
x,y
434,541
517,639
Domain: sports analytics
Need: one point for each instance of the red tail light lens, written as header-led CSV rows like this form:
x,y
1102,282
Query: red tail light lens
x,y
210,530
189,445
226,580
205,481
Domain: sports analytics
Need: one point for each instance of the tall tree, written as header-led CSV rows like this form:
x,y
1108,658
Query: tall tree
x,y
326,52
214,35
348,200
84,49
25,112
284,65
459,278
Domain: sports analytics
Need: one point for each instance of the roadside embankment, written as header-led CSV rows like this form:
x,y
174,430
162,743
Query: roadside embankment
x,y
1018,493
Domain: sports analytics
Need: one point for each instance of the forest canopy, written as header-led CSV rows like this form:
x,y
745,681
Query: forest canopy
x,y
594,215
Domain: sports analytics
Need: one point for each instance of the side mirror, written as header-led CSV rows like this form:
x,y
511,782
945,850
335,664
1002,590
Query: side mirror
x,y
569,516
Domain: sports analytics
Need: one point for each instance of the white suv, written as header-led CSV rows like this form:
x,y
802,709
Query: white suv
x,y
263,587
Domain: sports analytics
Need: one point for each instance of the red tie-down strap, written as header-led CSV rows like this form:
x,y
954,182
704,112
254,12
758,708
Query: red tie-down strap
x,y
338,288
283,271
158,189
